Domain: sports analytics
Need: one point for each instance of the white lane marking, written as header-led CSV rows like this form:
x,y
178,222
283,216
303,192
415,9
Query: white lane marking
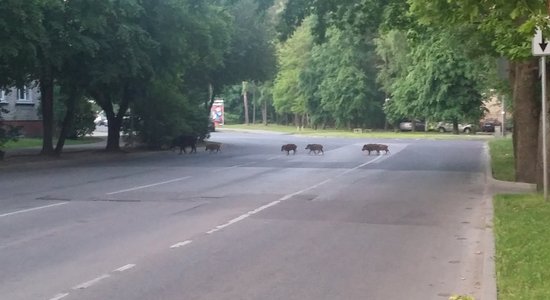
x,y
59,296
88,284
261,208
181,244
124,268
361,165
32,209
242,217
286,197
149,185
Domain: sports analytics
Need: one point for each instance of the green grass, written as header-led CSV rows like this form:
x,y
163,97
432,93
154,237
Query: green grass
x,y
351,134
502,159
37,142
522,230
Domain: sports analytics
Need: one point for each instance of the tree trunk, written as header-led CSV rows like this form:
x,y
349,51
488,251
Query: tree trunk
x,y
208,104
46,98
113,133
67,121
264,107
254,105
245,102
526,120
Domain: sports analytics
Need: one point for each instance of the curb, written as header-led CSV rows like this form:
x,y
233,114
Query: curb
x,y
489,285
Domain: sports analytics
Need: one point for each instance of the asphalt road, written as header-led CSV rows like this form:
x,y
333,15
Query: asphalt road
x,y
249,223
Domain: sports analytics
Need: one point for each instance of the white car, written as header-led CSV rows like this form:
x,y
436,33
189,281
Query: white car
x,y
406,125
100,119
448,127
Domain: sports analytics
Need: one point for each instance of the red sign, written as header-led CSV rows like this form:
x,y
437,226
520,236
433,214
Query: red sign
x,y
217,112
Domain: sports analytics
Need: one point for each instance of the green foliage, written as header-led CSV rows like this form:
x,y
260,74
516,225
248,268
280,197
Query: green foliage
x,y
7,132
21,26
347,88
441,81
334,83
510,25
158,122
294,55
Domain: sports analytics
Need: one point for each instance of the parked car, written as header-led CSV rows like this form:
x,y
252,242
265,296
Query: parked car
x,y
489,125
408,125
448,127
101,119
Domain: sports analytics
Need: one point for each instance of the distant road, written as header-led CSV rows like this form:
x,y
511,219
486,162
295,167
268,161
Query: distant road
x,y
250,222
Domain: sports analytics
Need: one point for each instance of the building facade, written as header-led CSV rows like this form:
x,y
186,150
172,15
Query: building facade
x,y
22,105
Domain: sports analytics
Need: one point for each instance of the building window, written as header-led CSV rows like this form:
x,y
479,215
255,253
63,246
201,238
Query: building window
x,y
24,95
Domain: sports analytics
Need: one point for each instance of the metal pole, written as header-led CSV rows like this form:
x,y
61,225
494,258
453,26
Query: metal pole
x,y
544,158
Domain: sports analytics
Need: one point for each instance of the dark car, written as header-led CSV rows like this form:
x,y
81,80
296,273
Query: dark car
x,y
489,126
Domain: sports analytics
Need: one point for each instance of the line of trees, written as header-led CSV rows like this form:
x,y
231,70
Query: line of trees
x,y
162,60
437,58
314,63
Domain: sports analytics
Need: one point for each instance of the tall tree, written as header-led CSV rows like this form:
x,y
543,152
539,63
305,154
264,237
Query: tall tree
x,y
348,88
38,44
510,26
294,55
441,82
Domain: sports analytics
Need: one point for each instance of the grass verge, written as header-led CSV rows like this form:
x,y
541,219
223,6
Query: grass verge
x,y
502,159
37,142
349,133
521,226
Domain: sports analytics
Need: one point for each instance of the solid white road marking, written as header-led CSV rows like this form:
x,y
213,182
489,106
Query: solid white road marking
x,y
181,244
149,185
59,296
31,209
124,268
88,284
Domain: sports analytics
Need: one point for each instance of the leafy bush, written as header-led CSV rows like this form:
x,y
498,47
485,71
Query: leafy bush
x,y
165,113
7,132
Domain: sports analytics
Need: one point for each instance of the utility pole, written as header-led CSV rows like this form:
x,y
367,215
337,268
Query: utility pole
x,y
540,48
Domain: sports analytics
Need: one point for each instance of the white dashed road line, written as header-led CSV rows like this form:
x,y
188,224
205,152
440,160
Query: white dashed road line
x,y
124,268
94,281
181,244
31,209
88,284
284,198
59,296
